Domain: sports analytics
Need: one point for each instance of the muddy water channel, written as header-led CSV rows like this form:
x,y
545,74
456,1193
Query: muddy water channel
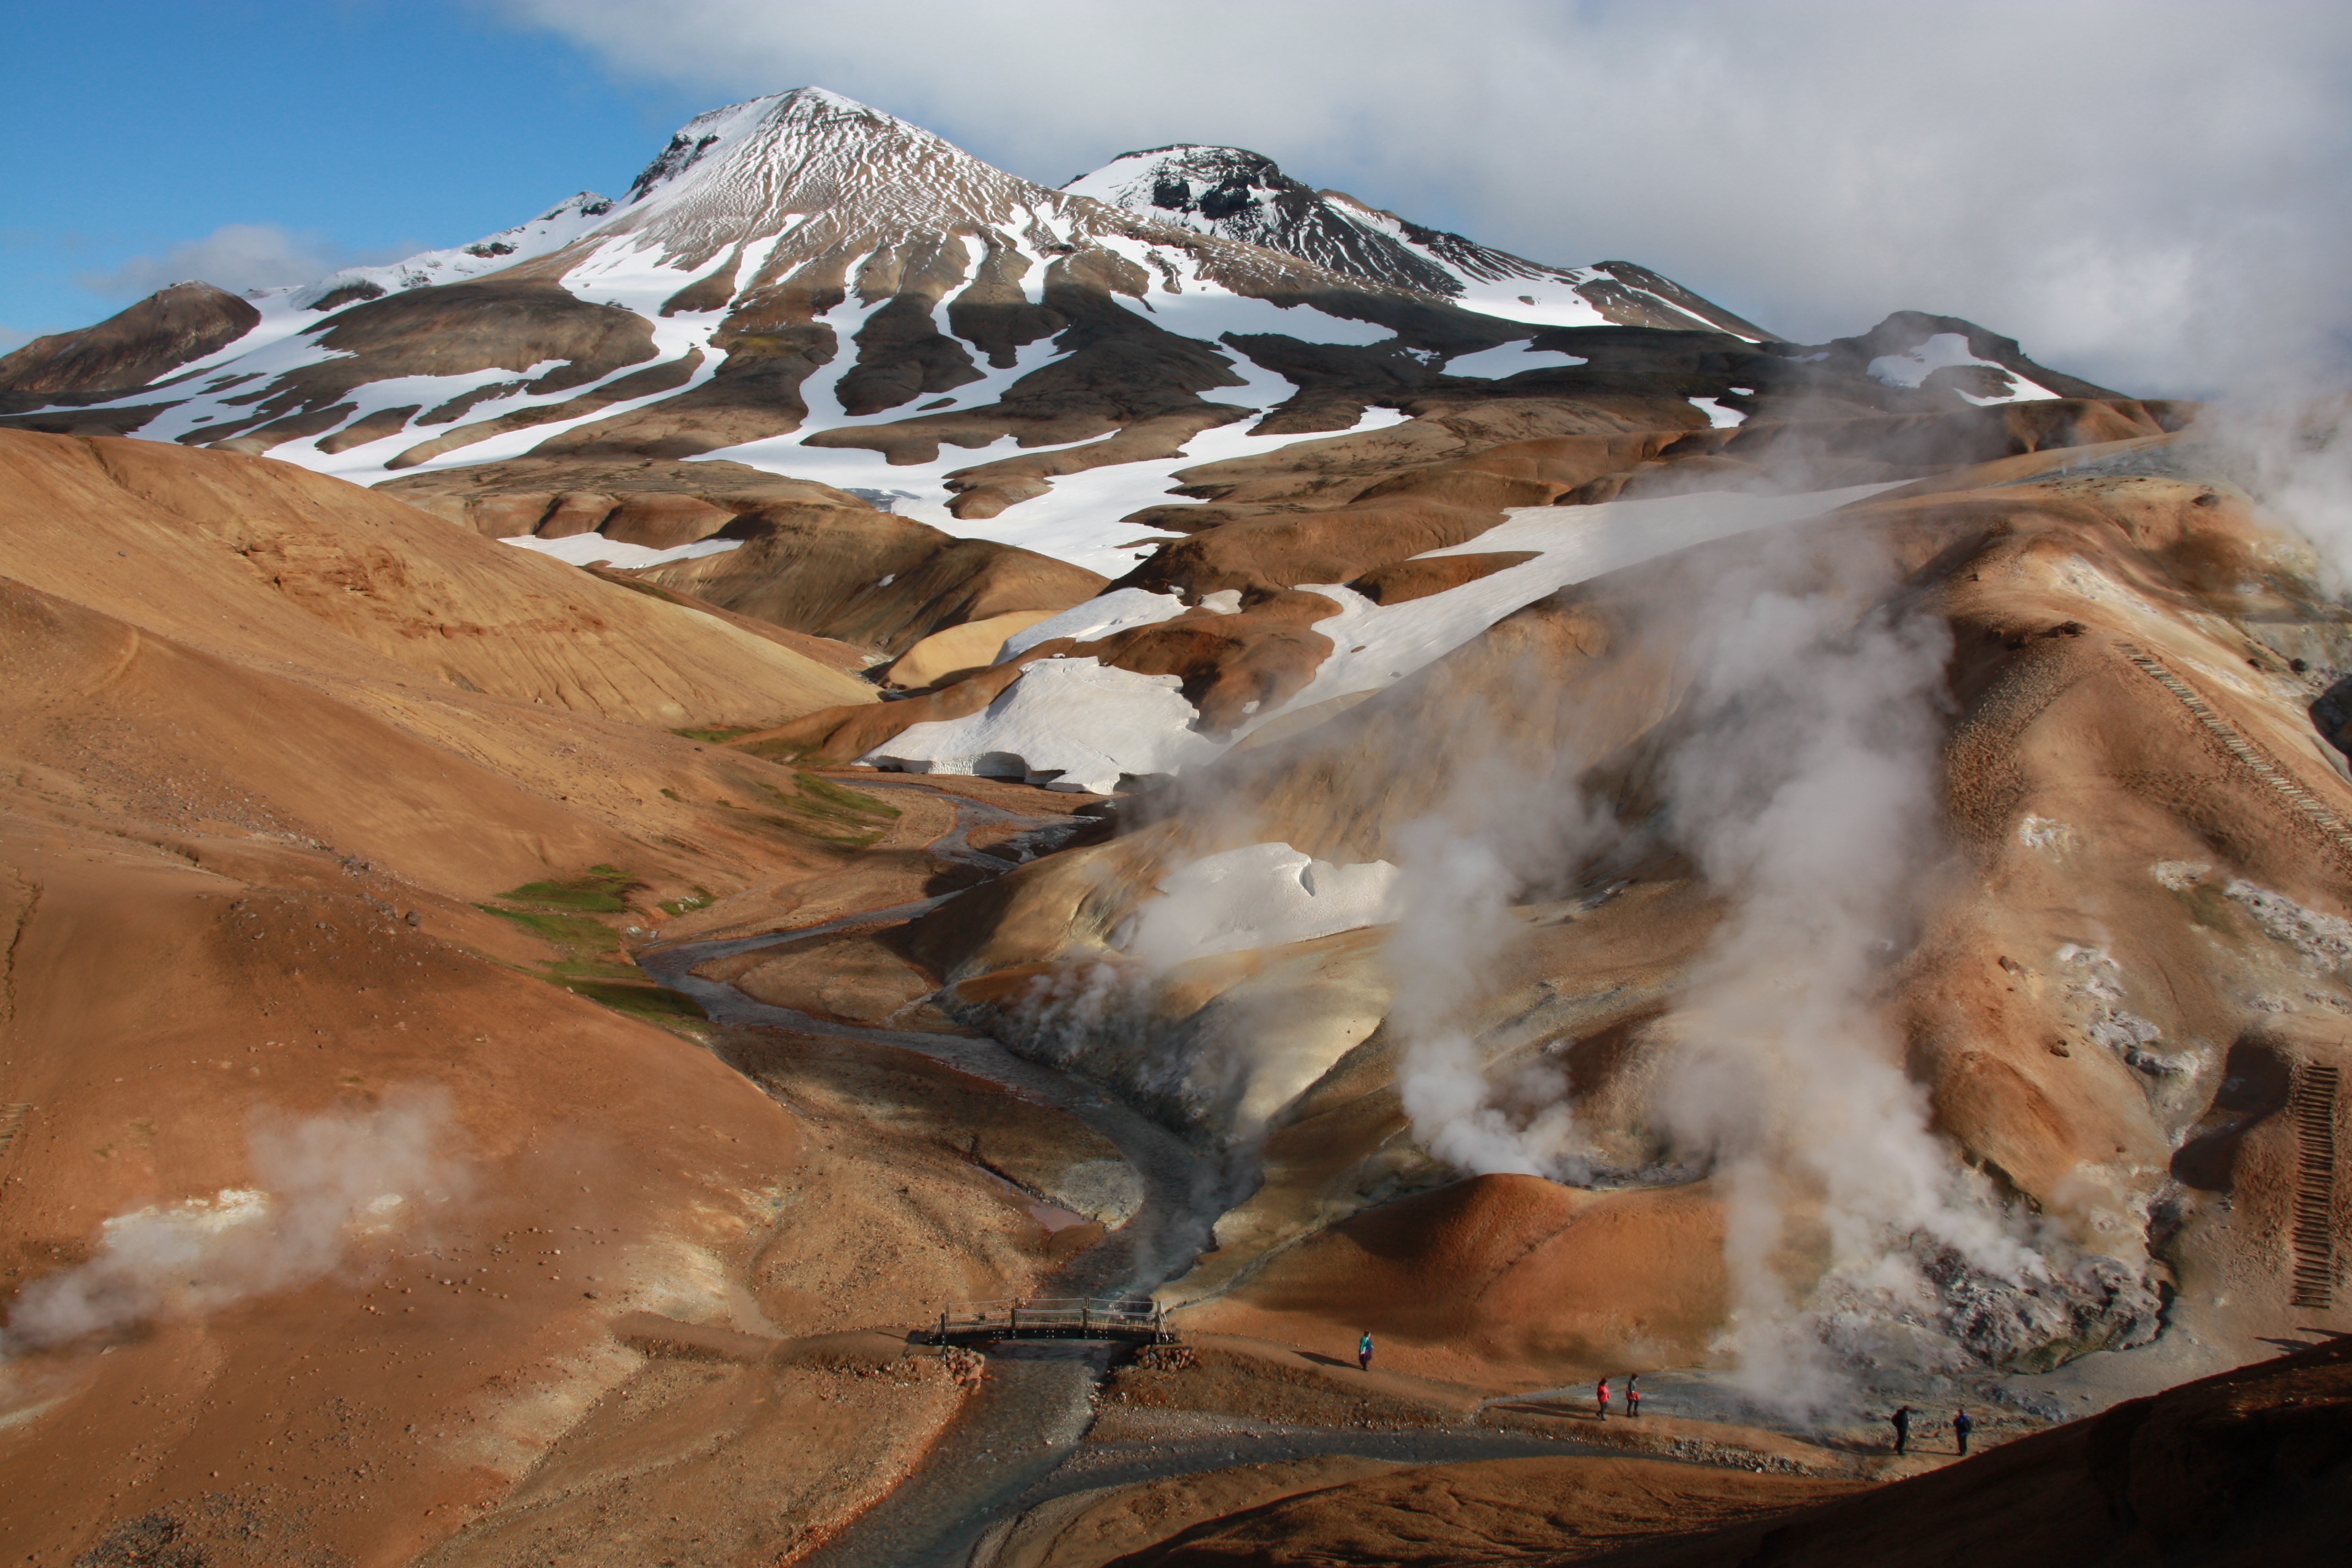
x,y
1018,1442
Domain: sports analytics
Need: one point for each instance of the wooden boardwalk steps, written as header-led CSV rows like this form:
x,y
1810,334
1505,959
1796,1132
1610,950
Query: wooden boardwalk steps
x,y
2262,767
2313,1107
12,1118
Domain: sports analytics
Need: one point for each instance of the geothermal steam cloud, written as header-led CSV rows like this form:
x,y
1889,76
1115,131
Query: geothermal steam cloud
x,y
323,1184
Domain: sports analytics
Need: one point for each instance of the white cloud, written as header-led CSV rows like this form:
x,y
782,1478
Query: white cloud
x,y
2147,192
237,255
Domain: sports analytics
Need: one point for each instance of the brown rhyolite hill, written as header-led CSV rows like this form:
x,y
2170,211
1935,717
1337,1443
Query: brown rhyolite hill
x,y
127,350
2197,842
309,800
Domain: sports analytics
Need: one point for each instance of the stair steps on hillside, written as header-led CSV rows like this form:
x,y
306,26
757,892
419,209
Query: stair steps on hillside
x,y
2313,1106
12,1118
2238,746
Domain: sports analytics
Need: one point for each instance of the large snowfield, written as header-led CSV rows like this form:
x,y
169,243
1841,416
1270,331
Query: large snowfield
x,y
1103,725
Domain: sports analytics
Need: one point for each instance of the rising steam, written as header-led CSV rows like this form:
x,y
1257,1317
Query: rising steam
x,y
1806,794
323,1184
1800,779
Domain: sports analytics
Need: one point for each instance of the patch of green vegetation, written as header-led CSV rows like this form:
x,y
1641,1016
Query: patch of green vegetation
x,y
654,1004
600,891
715,737
672,795
844,797
701,899
591,961
567,932
831,812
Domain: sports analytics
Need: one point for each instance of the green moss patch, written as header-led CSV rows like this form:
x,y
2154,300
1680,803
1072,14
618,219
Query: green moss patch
x,y
639,998
831,812
568,932
599,892
701,899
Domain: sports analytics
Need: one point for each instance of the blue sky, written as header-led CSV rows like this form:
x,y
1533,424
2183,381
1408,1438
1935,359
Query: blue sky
x,y
353,126
2153,193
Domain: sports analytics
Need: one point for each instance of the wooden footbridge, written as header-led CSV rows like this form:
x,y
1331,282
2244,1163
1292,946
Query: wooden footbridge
x,y
1129,1320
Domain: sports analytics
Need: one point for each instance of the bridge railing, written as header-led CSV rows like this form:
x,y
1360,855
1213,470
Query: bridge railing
x,y
1054,1318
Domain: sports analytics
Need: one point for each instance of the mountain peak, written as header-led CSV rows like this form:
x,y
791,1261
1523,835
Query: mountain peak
x,y
1238,195
750,169
793,120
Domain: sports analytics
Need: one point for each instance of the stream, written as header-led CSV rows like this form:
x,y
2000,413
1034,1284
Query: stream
x,y
1035,1401
1016,1443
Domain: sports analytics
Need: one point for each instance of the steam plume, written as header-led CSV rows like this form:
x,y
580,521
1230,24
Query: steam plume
x,y
324,1183
1802,782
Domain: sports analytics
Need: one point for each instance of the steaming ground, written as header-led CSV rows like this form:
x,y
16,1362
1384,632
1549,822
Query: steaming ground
x,y
1760,901
1821,966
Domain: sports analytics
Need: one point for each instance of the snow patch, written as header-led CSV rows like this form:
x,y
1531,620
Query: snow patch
x,y
1068,724
1114,612
587,549
1373,646
1509,359
1720,416
1944,349
1262,895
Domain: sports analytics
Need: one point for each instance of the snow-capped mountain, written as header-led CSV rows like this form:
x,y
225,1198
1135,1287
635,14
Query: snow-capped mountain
x,y
816,288
1239,194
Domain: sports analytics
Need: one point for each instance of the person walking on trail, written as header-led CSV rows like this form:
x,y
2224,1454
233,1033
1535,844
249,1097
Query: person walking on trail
x,y
1961,1427
1632,1394
1364,1352
1902,1419
1602,1395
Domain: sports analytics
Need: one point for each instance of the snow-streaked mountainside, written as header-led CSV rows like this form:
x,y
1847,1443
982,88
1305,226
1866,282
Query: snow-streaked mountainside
x,y
816,288
792,277
1239,194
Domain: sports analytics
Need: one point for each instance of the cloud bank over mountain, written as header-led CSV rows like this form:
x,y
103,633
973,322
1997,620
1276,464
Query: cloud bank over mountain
x,y
2152,193
238,256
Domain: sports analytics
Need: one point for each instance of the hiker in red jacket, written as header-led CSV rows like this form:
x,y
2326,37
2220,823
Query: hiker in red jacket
x,y
1602,1393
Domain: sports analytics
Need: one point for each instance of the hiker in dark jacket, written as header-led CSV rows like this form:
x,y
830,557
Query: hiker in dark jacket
x,y
1364,1352
1961,1427
1632,1394
1902,1419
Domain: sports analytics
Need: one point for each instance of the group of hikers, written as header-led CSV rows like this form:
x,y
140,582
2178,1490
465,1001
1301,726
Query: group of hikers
x,y
1633,1395
1961,1424
1961,1427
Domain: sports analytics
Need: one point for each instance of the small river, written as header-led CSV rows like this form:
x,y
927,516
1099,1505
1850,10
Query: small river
x,y
1013,1444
